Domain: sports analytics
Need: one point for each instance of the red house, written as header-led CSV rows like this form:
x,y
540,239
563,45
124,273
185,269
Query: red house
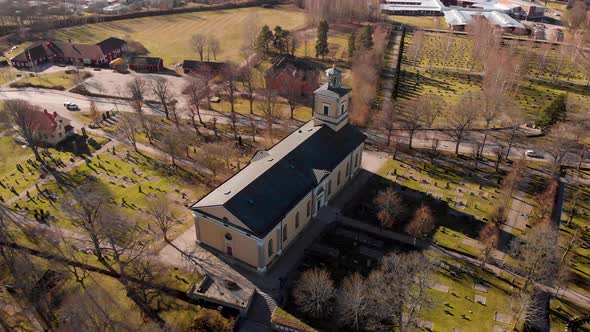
x,y
70,53
149,64
290,72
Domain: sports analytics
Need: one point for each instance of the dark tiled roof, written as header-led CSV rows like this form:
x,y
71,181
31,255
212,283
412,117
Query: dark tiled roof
x,y
144,61
36,51
77,51
194,64
325,90
266,201
291,63
70,50
110,44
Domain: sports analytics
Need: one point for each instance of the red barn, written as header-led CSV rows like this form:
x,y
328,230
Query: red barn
x,y
292,73
143,63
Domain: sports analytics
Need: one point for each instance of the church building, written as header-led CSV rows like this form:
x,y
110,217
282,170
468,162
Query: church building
x,y
258,213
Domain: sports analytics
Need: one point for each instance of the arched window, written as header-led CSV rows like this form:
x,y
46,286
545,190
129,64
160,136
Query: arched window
x,y
285,232
270,248
297,220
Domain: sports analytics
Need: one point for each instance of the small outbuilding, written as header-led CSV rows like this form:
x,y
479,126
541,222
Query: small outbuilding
x,y
207,68
142,63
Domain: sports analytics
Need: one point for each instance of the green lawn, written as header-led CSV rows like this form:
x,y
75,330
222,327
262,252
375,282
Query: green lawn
x,y
433,73
14,154
123,178
447,308
242,106
562,311
579,256
448,180
532,96
429,22
52,80
169,36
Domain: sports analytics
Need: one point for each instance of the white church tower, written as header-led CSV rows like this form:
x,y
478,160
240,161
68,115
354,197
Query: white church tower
x,y
331,105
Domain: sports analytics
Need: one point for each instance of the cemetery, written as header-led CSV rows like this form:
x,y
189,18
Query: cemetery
x,y
445,66
132,179
463,297
20,171
461,197
574,229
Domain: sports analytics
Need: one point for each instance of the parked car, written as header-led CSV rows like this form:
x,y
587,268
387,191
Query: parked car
x,y
71,106
534,154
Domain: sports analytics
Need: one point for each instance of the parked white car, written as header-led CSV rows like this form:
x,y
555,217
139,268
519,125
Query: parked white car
x,y
71,106
534,154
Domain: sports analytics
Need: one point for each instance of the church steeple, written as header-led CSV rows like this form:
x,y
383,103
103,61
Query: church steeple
x,y
334,77
332,102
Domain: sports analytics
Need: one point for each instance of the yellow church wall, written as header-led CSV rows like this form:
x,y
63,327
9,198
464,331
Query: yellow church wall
x,y
244,248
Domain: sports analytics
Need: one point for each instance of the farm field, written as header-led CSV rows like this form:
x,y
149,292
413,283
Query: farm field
x,y
169,36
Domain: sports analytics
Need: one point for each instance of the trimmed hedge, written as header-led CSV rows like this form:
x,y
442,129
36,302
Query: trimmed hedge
x,y
31,85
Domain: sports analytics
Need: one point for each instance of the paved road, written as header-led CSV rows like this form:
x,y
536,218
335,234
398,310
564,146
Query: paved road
x,y
53,100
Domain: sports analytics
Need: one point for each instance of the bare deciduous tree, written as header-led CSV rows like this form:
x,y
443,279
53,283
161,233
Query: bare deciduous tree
x,y
160,88
461,118
385,121
314,293
291,90
198,43
399,286
536,255
20,116
525,307
128,129
433,105
352,302
418,39
561,140
119,245
413,119
248,80
488,236
389,206
270,112
173,144
213,46
422,222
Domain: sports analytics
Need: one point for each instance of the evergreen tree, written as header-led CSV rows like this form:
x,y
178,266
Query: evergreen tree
x,y
555,112
280,39
366,37
321,45
264,38
351,45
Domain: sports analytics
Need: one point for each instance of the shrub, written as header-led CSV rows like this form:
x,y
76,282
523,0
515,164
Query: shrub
x,y
555,112
31,85
136,48
211,321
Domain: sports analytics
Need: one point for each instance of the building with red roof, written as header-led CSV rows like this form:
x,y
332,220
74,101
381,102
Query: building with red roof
x,y
50,128
100,54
